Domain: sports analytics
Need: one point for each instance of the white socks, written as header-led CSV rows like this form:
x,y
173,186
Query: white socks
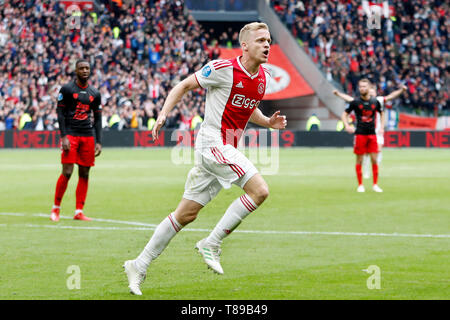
x,y
164,232
234,215
169,227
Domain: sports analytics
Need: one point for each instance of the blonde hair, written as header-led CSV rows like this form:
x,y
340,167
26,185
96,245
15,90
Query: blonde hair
x,y
251,27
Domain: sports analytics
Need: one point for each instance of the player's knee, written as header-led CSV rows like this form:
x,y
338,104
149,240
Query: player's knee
x,y
67,172
187,216
264,192
83,172
189,219
84,175
260,194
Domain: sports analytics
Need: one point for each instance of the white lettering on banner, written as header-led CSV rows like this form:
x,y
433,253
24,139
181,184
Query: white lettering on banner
x,y
240,100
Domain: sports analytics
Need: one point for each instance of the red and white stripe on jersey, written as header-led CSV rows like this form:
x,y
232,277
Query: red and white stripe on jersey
x,y
247,203
219,64
221,159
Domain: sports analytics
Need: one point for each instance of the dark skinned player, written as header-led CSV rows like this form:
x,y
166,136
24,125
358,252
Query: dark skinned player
x,y
80,123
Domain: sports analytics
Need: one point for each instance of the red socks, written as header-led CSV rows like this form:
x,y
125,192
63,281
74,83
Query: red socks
x,y
81,192
61,187
358,168
375,173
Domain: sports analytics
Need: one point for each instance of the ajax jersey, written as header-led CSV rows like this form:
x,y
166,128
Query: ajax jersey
x,y
232,96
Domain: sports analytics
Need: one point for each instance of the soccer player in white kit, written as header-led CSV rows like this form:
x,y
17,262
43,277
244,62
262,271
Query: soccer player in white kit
x,y
235,88
379,130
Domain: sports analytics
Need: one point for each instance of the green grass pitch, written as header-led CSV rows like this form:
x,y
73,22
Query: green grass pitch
x,y
311,239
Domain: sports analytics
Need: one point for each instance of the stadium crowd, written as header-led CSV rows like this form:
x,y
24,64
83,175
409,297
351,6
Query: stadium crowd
x,y
138,51
411,47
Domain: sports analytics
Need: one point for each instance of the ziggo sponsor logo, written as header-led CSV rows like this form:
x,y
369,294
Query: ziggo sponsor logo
x,y
239,100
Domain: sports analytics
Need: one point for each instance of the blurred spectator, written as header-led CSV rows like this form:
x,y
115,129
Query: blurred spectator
x,y
138,51
411,46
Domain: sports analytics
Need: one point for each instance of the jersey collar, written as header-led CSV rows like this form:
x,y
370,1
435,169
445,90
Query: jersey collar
x,y
87,85
245,70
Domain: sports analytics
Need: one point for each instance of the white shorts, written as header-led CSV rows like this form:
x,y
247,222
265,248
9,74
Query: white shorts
x,y
216,168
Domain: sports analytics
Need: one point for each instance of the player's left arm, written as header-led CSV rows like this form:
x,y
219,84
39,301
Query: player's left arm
x,y
98,125
274,122
395,94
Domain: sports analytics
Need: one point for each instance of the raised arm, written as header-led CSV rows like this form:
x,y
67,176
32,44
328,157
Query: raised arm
x,y
275,121
395,94
343,96
174,96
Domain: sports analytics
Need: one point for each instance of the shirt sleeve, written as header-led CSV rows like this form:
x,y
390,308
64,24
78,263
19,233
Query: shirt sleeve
x,y
97,107
214,74
98,118
62,97
350,107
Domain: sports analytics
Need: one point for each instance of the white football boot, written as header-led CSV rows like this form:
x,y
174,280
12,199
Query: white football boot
x,y
361,188
376,188
135,278
210,254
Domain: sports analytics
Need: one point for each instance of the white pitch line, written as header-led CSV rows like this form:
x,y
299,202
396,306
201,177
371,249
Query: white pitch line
x,y
147,226
80,227
103,220
12,214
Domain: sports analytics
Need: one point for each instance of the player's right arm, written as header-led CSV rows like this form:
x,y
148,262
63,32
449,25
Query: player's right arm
x,y
343,96
174,96
62,102
344,118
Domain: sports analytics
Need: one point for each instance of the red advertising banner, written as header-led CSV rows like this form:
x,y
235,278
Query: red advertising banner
x,y
406,121
397,139
35,139
438,139
251,138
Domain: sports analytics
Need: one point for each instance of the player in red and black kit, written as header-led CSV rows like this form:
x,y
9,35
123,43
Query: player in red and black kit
x,y
80,135
365,141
